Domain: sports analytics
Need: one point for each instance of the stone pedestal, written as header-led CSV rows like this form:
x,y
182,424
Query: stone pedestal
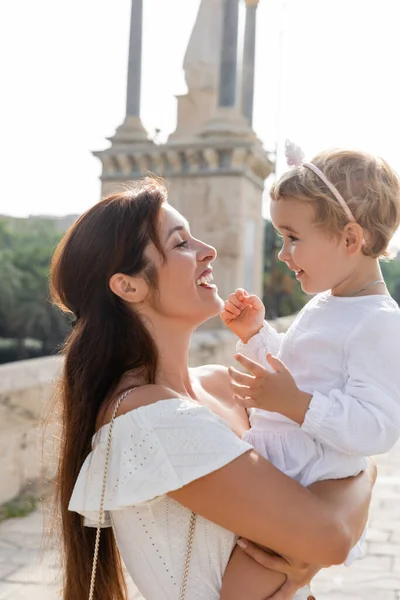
x,y
130,132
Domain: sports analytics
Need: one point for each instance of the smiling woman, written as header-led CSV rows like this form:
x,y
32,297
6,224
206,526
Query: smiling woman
x,y
151,447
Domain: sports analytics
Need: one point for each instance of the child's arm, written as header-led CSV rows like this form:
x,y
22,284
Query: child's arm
x,y
244,315
363,419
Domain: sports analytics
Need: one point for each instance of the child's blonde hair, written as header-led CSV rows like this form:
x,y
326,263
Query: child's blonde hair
x,y
368,184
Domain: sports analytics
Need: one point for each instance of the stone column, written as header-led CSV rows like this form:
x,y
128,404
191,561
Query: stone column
x,y
228,64
132,130
135,60
249,53
228,119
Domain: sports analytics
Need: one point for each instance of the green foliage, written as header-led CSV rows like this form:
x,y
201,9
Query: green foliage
x,y
19,507
26,248
10,349
391,274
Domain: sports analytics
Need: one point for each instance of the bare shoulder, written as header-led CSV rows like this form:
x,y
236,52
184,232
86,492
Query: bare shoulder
x,y
142,395
216,382
213,378
214,374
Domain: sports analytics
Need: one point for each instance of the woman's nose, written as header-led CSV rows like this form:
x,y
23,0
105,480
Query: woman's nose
x,y
207,253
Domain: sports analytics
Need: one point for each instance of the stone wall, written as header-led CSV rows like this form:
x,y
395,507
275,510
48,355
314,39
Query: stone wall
x,y
25,387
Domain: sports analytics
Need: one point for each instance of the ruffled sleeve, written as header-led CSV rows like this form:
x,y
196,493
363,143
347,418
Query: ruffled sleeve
x,y
155,449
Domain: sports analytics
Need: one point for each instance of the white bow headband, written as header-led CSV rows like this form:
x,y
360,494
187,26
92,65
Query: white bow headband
x,y
295,158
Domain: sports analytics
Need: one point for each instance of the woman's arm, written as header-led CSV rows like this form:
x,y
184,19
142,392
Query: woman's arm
x,y
349,499
251,578
255,500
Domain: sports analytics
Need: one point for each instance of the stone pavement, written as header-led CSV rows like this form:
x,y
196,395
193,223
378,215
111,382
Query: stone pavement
x,y
376,577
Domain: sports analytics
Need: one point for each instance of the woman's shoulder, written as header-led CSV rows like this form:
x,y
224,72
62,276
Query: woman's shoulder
x,y
213,378
134,397
158,409
210,371
216,382
146,395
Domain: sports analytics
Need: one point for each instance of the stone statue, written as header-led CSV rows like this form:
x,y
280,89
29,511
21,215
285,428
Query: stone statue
x,y
201,67
201,63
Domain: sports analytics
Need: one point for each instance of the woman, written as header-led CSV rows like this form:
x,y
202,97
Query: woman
x,y
139,284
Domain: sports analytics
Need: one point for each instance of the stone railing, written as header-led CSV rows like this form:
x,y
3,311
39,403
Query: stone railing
x,y
27,452
25,387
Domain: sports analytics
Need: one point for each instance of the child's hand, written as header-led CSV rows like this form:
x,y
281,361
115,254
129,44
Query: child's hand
x,y
243,314
276,392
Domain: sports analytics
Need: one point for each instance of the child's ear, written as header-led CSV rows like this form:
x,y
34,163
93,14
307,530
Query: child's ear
x,y
354,238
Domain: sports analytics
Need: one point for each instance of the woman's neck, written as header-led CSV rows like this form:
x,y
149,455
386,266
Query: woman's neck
x,y
172,341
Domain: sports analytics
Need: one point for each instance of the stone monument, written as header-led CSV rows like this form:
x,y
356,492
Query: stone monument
x,y
214,164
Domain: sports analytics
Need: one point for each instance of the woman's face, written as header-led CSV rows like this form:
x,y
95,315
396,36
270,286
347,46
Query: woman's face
x,y
184,279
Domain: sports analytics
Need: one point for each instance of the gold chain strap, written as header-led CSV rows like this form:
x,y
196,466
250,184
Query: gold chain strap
x,y
188,555
103,492
101,513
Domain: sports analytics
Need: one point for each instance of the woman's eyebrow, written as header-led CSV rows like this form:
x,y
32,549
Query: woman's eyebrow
x,y
177,228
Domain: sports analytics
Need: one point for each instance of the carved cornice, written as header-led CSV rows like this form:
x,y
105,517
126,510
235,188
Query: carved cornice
x,y
203,158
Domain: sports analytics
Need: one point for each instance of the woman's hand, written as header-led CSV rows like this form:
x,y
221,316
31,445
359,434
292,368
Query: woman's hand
x,y
298,573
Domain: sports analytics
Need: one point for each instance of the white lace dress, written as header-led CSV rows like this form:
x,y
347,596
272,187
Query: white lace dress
x,y
157,449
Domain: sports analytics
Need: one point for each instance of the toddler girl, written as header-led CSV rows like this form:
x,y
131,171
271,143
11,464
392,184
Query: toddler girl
x,y
328,392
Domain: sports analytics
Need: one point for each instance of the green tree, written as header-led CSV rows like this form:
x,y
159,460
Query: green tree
x,y
391,273
10,280
26,248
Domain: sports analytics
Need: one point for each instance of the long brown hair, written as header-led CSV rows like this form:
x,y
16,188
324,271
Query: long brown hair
x,y
108,340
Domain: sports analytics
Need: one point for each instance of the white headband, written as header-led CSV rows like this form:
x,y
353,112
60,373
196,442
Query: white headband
x,y
294,158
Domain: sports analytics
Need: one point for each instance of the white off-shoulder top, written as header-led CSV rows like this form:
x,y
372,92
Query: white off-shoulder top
x,y
156,449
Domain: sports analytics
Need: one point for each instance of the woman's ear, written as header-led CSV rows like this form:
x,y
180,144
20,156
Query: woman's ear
x,y
354,238
130,289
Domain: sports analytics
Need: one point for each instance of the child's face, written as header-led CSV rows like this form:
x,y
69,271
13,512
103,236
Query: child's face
x,y
319,260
